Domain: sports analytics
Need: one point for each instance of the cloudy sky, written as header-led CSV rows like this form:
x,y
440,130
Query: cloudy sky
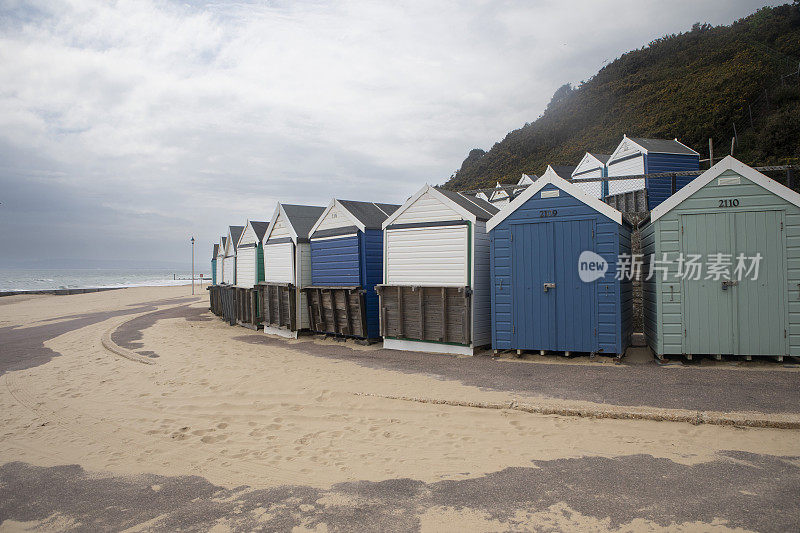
x,y
128,126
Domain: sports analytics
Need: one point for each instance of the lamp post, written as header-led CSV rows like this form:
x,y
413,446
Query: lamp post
x,y
192,265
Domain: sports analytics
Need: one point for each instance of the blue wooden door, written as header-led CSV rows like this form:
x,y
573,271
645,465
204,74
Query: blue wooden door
x,y
532,267
552,308
576,308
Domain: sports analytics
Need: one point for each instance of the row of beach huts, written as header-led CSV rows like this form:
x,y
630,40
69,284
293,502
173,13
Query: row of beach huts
x,y
451,272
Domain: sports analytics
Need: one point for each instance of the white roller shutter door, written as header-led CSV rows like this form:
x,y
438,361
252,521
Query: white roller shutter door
x,y
278,261
432,256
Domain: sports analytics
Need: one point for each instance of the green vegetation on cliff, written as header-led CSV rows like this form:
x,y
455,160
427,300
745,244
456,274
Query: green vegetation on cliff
x,y
693,86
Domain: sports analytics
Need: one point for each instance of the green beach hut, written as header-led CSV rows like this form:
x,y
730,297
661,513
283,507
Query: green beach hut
x,y
723,260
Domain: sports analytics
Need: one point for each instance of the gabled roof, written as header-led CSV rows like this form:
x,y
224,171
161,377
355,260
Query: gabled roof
x,y
663,146
481,209
370,214
469,207
589,162
654,146
223,244
550,177
215,252
734,165
482,196
301,218
362,215
498,194
235,232
260,228
563,171
526,180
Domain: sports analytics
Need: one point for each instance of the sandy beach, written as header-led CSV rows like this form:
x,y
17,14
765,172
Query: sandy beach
x,y
250,416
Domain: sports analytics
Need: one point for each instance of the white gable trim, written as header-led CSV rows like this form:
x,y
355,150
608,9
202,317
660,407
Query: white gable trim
x,y
619,147
734,165
550,177
335,203
525,180
247,227
466,215
687,147
221,249
279,211
587,158
498,194
229,244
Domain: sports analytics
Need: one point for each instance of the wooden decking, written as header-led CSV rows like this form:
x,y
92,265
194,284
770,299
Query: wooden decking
x,y
278,304
337,310
438,314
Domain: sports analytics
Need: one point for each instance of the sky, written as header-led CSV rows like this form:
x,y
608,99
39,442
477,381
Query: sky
x,y
127,127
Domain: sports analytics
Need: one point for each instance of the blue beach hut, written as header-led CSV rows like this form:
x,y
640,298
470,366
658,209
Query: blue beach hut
x,y
346,264
554,253
637,155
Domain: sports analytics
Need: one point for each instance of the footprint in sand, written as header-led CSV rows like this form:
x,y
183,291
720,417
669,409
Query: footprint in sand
x,y
211,439
222,425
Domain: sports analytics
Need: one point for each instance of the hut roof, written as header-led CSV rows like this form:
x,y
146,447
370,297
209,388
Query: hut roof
x,y
551,177
236,232
370,214
216,251
563,171
302,217
663,146
603,158
260,228
482,209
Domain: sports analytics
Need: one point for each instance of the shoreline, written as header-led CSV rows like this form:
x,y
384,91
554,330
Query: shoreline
x,y
61,291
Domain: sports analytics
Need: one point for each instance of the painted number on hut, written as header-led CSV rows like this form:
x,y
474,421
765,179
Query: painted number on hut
x,y
729,202
548,213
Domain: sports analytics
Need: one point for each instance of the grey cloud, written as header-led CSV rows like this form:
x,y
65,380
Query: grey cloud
x,y
125,128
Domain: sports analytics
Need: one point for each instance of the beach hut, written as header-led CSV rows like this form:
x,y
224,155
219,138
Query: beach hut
x,y
249,271
229,264
523,183
223,241
435,291
214,264
553,256
526,180
637,155
725,251
593,165
346,264
287,269
499,196
250,254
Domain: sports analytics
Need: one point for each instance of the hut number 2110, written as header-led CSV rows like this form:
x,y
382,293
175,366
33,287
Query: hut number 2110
x,y
729,202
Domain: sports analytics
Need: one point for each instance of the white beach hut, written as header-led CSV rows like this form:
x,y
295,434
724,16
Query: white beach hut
x,y
287,269
229,264
435,292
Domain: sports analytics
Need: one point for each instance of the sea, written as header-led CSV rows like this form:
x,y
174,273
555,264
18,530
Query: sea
x,y
27,279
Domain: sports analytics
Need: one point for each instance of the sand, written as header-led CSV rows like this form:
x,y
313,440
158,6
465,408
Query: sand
x,y
243,414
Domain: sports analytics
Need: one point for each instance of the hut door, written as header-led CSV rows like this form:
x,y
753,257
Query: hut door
x,y
532,267
760,302
576,308
708,311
